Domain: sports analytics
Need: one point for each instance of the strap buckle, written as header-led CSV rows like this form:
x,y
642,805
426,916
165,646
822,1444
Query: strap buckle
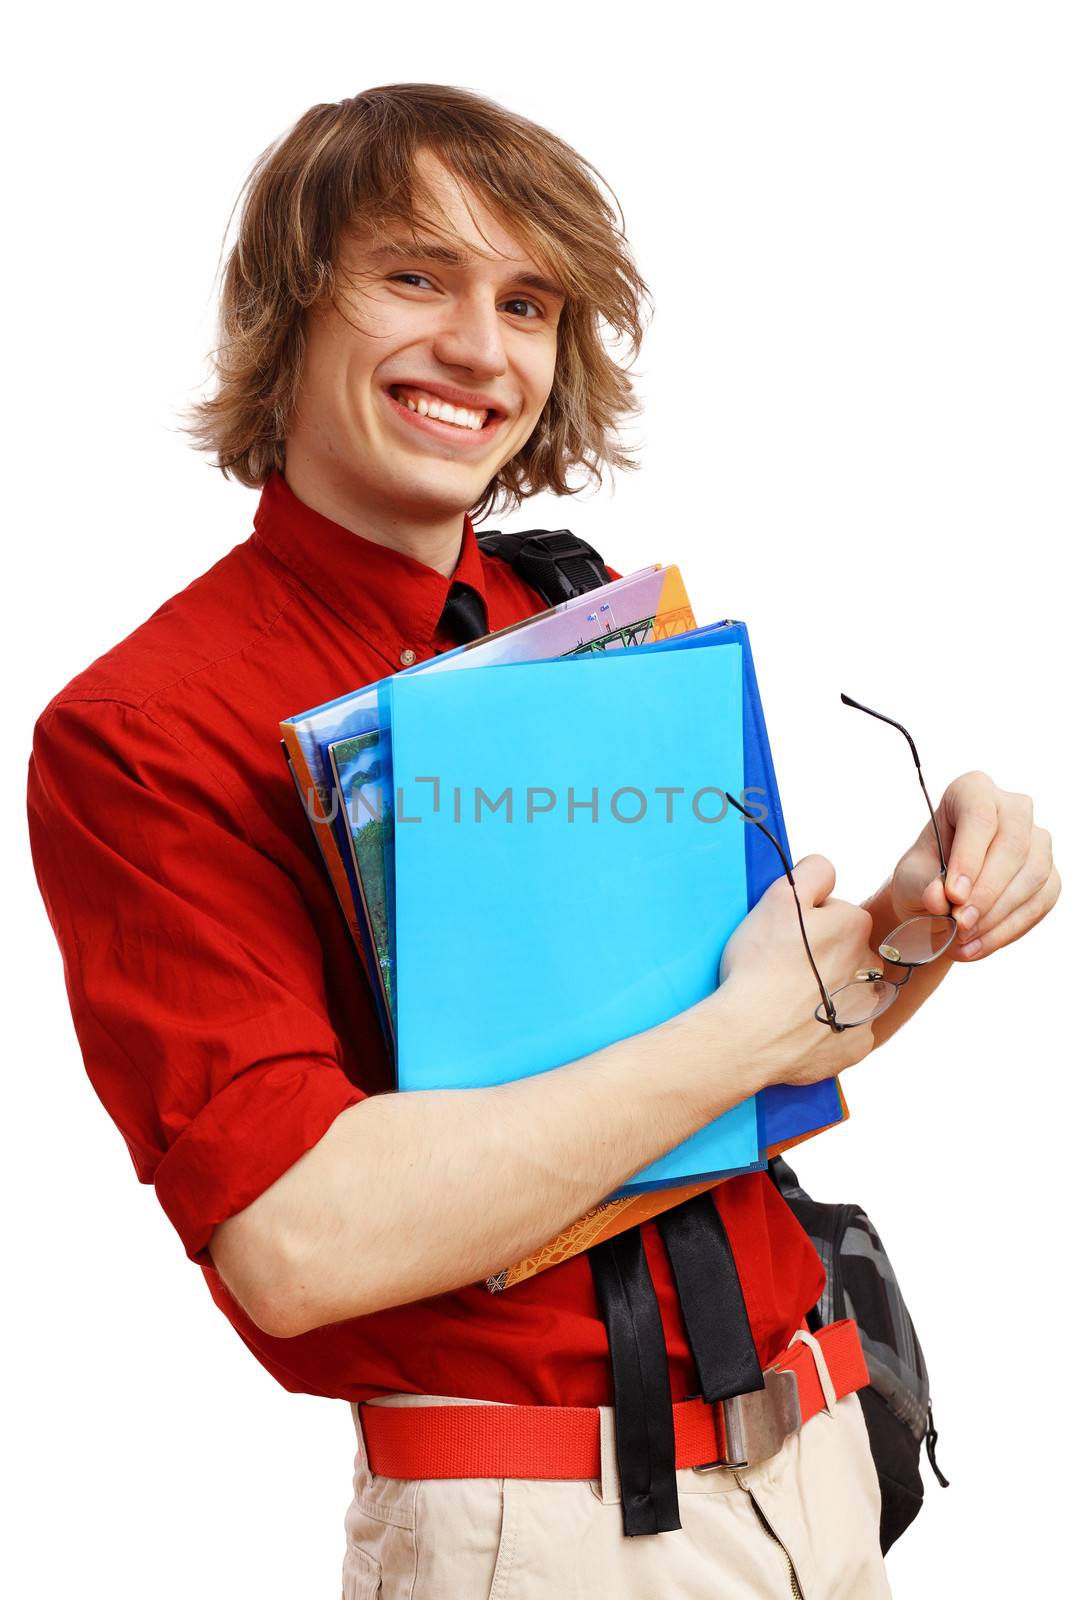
x,y
555,548
556,542
757,1424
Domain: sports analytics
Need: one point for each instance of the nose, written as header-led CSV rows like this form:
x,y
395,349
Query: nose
x,y
469,336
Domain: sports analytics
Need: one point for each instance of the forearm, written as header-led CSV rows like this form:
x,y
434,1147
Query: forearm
x,y
409,1195
923,981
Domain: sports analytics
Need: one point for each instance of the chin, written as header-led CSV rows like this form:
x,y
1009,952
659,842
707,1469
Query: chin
x,y
445,495
424,505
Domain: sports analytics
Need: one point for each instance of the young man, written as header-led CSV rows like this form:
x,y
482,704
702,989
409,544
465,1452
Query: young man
x,y
411,331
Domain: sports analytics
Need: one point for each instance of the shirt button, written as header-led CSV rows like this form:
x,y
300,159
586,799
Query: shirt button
x,y
407,657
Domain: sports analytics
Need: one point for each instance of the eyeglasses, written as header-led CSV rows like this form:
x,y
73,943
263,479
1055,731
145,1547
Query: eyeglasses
x,y
913,943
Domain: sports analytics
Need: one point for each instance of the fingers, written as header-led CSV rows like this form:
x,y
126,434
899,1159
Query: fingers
x,y
985,908
1003,926
1001,879
814,877
1006,857
851,930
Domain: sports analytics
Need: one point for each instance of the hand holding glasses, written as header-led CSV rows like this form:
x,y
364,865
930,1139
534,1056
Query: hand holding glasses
x,y
915,942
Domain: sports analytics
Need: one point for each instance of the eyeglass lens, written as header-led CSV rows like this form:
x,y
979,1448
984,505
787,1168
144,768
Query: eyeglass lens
x,y
856,1003
918,940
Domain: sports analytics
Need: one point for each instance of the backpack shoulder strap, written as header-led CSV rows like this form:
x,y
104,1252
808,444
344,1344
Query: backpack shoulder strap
x,y
557,564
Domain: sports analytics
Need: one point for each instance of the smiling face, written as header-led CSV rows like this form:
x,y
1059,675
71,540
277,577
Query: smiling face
x,y
429,372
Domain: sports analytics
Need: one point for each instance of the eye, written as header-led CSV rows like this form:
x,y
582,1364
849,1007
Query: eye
x,y
532,309
403,277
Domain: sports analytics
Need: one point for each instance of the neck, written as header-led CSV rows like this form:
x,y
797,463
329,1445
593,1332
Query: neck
x,y
434,539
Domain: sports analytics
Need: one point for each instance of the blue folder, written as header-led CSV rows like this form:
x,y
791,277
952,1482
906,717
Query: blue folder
x,y
529,943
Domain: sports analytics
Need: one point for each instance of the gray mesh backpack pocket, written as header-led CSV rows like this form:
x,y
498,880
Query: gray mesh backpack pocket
x,y
861,1284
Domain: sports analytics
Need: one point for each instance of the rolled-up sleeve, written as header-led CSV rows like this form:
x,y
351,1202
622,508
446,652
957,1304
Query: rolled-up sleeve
x,y
193,970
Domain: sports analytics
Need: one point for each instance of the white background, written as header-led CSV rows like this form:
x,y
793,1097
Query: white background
x,y
852,220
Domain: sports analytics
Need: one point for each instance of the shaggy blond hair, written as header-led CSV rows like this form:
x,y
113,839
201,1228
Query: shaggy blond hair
x,y
354,163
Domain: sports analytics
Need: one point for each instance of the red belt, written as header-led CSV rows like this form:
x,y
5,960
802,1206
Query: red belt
x,y
506,1441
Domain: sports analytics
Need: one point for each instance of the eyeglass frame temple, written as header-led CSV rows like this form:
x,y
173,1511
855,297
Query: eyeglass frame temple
x,y
831,1013
848,700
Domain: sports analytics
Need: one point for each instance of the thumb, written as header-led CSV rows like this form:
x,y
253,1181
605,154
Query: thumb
x,y
917,883
935,899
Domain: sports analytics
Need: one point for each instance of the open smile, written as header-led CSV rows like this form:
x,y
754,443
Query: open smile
x,y
460,425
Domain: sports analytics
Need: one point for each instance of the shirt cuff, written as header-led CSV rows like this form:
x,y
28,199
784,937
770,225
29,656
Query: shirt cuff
x,y
251,1132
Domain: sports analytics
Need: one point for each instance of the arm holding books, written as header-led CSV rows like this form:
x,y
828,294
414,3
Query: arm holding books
x,y
534,1165
412,1195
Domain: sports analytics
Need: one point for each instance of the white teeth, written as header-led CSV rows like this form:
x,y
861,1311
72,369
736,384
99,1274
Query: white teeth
x,y
443,411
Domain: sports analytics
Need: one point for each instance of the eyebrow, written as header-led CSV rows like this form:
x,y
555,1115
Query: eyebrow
x,y
427,250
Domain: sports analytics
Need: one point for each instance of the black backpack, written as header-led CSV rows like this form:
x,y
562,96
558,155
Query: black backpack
x,y
860,1281
558,564
861,1284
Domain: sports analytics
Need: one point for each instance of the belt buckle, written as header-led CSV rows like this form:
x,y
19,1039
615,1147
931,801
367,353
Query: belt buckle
x,y
757,1424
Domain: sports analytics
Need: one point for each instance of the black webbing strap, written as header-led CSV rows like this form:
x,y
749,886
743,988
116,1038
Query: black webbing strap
x,y
644,1420
557,564
713,1307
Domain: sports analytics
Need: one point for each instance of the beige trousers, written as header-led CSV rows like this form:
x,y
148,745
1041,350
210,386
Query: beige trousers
x,y
804,1523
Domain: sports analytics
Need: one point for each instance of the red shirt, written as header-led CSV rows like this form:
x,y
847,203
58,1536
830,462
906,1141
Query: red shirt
x,y
224,1016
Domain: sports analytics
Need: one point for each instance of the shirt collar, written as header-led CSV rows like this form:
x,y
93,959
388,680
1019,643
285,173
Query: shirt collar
x,y
379,591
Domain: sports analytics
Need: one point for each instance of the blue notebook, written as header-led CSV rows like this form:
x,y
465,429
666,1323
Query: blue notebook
x,y
528,940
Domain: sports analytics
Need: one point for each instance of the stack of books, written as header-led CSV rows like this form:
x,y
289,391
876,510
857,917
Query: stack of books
x,y
531,844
